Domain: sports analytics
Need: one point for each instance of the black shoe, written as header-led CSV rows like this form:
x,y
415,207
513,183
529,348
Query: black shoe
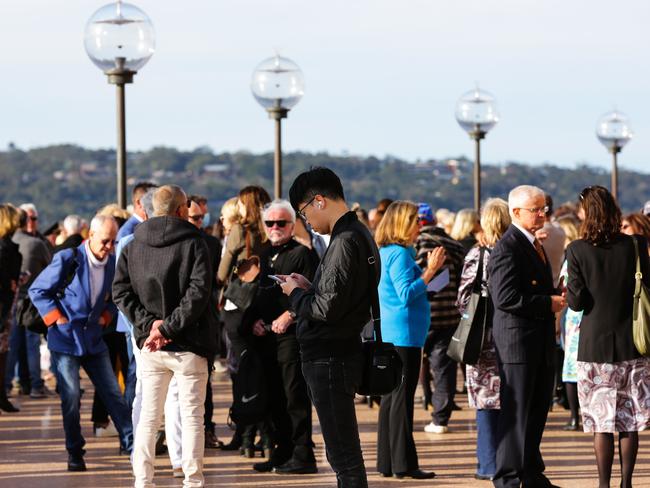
x,y
386,475
416,474
161,448
265,467
7,406
539,481
296,467
125,452
233,445
76,463
572,425
485,477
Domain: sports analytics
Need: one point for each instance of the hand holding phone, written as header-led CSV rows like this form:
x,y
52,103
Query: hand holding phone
x,y
277,278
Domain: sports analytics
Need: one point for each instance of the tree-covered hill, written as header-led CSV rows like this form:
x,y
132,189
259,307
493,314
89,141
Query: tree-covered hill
x,y
66,179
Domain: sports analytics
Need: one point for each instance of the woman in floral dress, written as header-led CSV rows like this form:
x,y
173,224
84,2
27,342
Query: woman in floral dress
x,y
613,378
483,381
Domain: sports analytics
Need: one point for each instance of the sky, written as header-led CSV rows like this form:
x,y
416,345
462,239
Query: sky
x,y
382,77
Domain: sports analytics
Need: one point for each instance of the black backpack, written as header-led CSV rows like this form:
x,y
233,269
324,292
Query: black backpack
x,y
26,313
250,390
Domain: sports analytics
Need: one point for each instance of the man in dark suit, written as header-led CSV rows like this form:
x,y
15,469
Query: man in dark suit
x,y
138,210
525,300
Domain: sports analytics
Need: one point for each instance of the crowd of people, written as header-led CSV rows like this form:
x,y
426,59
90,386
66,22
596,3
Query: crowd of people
x,y
277,295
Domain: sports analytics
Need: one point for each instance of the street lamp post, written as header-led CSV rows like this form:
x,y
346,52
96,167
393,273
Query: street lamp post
x,y
476,113
613,131
277,85
120,39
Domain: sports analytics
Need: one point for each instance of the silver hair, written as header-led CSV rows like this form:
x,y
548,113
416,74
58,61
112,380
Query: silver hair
x,y
279,204
519,195
146,201
72,224
166,199
29,207
98,222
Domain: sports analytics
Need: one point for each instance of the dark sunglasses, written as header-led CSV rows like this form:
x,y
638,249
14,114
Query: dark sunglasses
x,y
33,219
196,218
279,223
106,242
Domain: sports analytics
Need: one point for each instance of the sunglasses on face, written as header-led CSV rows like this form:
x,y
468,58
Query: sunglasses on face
x,y
33,218
279,223
106,242
196,218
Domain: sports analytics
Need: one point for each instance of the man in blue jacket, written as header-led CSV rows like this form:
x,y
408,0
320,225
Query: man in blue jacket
x,y
73,295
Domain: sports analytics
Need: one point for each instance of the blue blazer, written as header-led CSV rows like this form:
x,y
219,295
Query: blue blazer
x,y
128,227
82,334
402,298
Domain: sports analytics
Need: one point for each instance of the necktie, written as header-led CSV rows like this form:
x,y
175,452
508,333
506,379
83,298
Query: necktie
x,y
540,250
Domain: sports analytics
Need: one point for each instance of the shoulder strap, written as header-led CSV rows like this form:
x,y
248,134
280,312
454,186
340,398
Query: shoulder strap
x,y
374,292
247,239
637,275
476,287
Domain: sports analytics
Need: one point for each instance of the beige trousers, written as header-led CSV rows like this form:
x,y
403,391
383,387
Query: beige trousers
x,y
156,370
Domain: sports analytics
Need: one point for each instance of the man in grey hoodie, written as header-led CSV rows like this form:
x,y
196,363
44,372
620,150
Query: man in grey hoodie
x,y
163,286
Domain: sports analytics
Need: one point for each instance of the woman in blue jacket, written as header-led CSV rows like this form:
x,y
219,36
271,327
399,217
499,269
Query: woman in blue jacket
x,y
405,321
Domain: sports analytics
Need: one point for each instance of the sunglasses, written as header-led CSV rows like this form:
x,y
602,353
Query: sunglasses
x,y
106,242
279,223
33,219
196,218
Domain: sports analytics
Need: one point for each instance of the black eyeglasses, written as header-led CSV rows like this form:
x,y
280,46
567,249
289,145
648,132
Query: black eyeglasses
x,y
302,210
584,192
33,219
279,223
106,242
197,217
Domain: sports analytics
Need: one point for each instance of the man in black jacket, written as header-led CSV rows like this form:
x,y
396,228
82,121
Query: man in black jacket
x,y
331,312
163,285
525,301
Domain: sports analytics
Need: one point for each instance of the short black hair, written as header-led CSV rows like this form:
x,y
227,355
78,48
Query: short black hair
x,y
198,199
316,181
141,188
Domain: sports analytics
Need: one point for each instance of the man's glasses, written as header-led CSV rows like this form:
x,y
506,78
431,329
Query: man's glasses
x,y
106,242
197,217
536,210
279,223
302,210
33,218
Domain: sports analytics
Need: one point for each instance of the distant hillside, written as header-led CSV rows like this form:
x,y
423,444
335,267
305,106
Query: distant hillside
x,y
68,179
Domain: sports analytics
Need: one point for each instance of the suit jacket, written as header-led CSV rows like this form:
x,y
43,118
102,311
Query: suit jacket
x,y
521,285
601,283
82,334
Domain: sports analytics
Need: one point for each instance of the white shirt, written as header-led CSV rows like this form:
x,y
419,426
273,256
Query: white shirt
x,y
529,236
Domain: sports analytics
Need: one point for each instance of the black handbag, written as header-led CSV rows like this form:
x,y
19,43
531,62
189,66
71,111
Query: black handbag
x,y
382,366
242,286
467,342
27,315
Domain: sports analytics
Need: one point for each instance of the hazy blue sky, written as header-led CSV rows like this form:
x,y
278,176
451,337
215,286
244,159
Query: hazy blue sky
x,y
382,77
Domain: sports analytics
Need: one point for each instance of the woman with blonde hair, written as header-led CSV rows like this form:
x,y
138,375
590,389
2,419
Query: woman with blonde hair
x,y
10,263
246,238
405,322
483,382
467,226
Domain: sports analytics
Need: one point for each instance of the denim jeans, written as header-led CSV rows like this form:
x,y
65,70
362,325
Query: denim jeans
x,y
332,384
486,441
443,369
100,372
22,339
131,377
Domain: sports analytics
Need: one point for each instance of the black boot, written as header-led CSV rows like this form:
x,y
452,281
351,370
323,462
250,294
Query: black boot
x,y
5,404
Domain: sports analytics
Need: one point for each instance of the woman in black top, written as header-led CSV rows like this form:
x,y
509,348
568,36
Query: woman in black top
x,y
613,378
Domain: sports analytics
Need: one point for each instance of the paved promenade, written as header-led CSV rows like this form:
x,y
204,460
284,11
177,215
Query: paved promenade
x,y
32,453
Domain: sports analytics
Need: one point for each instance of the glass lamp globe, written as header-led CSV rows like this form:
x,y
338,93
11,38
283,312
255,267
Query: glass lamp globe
x,y
277,83
613,130
119,36
476,110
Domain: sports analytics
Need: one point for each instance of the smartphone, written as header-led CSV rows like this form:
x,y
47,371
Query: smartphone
x,y
276,278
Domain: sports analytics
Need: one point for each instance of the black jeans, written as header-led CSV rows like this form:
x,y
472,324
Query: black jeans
x,y
332,383
443,369
395,445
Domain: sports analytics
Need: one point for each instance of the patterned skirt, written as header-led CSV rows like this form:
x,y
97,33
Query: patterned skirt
x,y
483,381
615,397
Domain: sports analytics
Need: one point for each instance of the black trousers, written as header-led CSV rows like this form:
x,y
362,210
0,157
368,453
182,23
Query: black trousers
x,y
294,424
443,370
526,391
116,350
332,383
395,445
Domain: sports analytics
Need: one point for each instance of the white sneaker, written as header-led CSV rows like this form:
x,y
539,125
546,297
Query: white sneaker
x,y
178,473
108,431
432,428
219,368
